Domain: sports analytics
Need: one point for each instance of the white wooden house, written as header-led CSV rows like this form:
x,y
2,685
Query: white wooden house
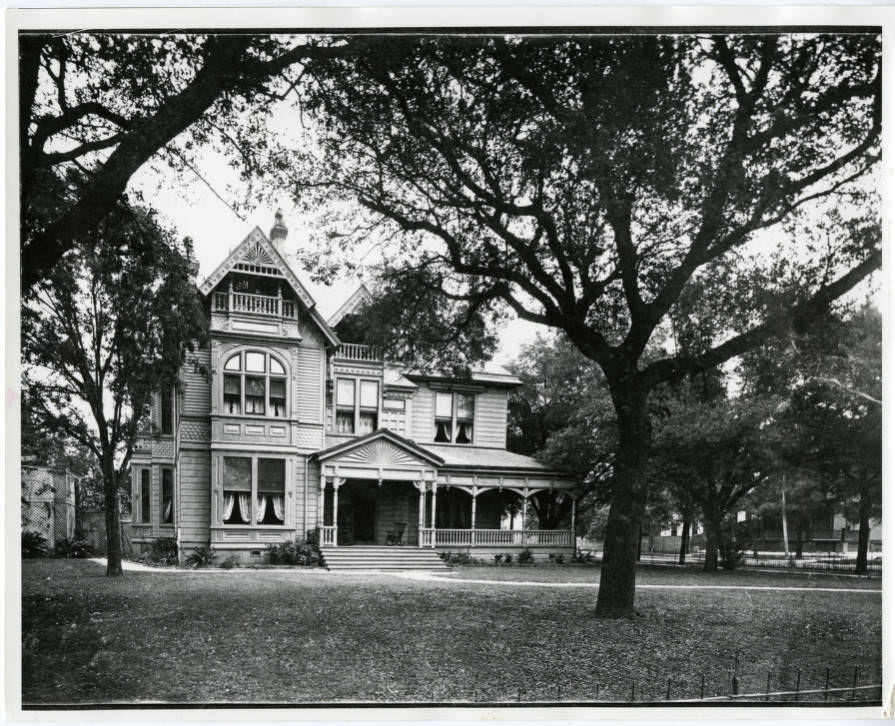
x,y
280,427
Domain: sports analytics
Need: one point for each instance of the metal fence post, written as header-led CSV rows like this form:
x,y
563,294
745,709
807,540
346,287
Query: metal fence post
x,y
767,690
632,691
854,683
798,683
827,683
702,685
668,691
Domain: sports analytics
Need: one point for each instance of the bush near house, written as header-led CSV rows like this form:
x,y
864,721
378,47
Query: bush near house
x,y
200,557
300,553
34,544
163,552
76,547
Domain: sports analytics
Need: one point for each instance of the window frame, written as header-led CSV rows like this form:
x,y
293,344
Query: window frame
x,y
356,409
145,498
166,404
169,470
254,458
241,373
455,419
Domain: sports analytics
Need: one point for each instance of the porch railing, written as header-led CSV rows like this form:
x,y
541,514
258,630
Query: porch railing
x,y
244,302
496,537
328,536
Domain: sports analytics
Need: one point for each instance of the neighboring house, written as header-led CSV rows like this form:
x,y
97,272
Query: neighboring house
x,y
280,426
48,502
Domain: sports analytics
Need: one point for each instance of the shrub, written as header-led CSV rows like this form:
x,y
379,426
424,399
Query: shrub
x,y
298,553
526,557
560,559
583,558
456,558
201,557
164,551
231,562
76,547
508,557
34,544
498,558
312,537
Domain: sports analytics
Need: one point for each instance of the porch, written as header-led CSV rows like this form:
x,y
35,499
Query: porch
x,y
385,490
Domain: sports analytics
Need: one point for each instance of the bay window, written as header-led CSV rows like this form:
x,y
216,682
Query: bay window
x,y
368,415
254,491
255,384
454,417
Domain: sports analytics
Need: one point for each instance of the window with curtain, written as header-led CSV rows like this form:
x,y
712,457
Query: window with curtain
x,y
454,417
271,491
444,429
167,496
368,415
255,384
345,389
145,497
237,490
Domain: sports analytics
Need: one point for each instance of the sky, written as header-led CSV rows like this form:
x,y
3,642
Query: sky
x,y
193,210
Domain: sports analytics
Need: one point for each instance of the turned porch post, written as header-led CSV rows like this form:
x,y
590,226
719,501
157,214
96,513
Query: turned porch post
x,y
475,495
337,482
524,511
321,493
434,492
421,485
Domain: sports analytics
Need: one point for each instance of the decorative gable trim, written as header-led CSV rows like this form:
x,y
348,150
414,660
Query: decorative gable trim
x,y
360,297
382,448
257,251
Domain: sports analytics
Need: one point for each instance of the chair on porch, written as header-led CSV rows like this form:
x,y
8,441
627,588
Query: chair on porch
x,y
395,536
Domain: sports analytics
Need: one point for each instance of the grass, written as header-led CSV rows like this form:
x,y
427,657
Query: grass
x,y
298,637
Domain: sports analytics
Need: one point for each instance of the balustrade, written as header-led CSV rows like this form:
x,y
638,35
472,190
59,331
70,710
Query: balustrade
x,y
245,302
357,351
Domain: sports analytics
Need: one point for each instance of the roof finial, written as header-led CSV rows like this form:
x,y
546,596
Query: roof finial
x,y
279,231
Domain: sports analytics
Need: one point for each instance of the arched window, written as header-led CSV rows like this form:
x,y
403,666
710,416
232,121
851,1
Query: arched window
x,y
255,384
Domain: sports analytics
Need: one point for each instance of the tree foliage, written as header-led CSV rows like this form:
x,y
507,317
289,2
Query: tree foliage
x,y
588,181
95,107
113,324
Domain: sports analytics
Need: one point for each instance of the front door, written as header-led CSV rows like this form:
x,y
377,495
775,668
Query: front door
x,y
364,507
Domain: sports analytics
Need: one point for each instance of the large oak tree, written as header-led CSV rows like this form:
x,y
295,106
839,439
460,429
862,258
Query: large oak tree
x,y
586,181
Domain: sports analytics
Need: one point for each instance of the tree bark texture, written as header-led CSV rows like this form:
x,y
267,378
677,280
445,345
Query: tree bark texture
x,y
685,541
113,524
863,533
713,537
615,598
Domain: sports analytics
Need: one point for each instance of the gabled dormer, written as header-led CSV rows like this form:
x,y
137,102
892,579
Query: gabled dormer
x,y
255,291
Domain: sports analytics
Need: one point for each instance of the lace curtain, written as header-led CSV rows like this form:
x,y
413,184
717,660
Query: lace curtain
x,y
229,501
245,504
277,500
262,508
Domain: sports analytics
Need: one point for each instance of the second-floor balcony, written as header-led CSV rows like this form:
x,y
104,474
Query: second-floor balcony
x,y
272,306
357,351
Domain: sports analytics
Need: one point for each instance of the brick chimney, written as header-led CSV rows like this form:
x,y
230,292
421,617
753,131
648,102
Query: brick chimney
x,y
278,232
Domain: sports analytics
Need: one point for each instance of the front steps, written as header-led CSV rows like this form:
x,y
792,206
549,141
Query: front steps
x,y
371,557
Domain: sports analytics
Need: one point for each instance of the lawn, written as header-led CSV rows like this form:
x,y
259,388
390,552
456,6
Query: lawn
x,y
264,636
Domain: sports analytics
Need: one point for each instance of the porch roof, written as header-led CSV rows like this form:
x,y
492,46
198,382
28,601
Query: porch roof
x,y
471,457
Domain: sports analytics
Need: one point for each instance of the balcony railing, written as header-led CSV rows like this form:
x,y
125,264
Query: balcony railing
x,y
244,302
356,351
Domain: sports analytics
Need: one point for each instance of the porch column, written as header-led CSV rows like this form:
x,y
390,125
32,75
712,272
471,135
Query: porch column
x,y
434,492
524,507
337,482
421,486
475,494
321,492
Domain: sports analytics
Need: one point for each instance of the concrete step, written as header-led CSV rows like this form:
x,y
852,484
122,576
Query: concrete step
x,y
373,557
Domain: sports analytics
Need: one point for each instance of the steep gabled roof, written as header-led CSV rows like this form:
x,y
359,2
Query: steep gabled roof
x,y
360,297
256,249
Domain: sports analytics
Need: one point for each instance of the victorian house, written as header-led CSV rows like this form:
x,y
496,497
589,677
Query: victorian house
x,y
284,425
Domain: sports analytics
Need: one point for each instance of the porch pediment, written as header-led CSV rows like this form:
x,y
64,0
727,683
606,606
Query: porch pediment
x,y
380,455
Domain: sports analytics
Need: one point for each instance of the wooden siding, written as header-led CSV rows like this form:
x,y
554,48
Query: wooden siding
x,y
422,421
196,399
491,419
195,499
313,485
308,382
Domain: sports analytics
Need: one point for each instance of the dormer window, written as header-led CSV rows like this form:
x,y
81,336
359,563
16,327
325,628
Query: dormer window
x,y
255,384
454,417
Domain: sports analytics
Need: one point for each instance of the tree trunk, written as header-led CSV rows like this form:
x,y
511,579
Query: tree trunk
x,y
713,537
799,538
615,598
863,534
685,541
113,524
